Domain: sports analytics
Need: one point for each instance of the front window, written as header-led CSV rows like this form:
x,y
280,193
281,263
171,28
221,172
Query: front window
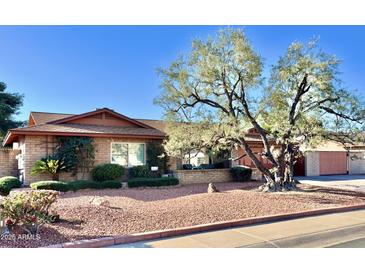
x,y
128,154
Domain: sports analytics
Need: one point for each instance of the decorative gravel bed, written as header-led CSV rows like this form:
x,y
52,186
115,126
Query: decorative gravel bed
x,y
141,210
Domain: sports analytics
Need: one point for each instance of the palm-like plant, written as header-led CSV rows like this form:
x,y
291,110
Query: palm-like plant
x,y
50,165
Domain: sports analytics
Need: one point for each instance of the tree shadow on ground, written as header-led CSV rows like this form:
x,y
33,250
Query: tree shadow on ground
x,y
336,191
337,196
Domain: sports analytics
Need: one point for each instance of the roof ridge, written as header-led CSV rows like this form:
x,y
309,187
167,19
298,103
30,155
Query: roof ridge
x,y
52,112
62,113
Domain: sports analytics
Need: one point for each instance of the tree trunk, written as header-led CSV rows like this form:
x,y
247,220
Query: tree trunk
x,y
283,173
55,176
264,170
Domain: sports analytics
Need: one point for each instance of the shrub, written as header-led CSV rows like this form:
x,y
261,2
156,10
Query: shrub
x,y
241,174
52,165
206,166
106,172
75,185
110,184
77,152
187,166
139,172
51,185
7,183
81,184
222,164
156,156
28,210
164,181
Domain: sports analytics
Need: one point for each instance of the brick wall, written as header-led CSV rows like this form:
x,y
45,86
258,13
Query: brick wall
x,y
210,176
37,147
203,176
8,162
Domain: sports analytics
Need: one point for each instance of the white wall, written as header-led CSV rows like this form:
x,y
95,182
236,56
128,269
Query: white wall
x,y
356,162
312,163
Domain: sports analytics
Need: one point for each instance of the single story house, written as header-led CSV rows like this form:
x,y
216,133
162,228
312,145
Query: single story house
x,y
117,138
123,140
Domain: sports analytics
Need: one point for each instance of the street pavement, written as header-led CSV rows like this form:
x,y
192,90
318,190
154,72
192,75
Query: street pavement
x,y
330,230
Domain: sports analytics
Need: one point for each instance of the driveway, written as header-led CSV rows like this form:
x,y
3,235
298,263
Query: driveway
x,y
348,182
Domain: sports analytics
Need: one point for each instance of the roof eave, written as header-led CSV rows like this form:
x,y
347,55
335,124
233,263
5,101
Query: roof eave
x,y
60,133
7,138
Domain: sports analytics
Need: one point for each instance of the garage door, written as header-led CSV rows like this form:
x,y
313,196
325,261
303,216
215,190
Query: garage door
x,y
332,162
357,163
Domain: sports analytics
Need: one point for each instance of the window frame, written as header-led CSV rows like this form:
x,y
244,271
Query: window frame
x,y
128,143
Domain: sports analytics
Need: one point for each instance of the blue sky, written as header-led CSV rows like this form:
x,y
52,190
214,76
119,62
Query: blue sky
x,y
74,69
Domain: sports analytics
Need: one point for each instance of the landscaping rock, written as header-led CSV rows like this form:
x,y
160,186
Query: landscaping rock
x,y
212,188
99,201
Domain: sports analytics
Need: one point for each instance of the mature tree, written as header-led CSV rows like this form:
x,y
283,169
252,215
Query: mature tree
x,y
9,105
214,93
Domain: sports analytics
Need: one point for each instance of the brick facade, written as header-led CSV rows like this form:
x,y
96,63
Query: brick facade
x,y
36,147
33,148
8,162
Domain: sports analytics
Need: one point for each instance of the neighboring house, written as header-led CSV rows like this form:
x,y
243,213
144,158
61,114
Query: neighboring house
x,y
196,158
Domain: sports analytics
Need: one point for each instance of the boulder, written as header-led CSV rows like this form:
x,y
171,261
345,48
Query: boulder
x,y
99,201
212,188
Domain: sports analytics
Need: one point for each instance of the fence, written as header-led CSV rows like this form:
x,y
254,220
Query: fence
x,y
8,162
209,176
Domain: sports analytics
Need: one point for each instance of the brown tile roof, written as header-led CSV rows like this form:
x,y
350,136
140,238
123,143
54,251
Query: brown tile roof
x,y
42,118
90,129
45,117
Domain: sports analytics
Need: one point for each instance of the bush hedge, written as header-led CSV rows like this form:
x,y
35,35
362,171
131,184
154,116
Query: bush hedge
x,y
7,183
51,185
143,182
241,174
81,184
139,172
75,185
109,184
107,172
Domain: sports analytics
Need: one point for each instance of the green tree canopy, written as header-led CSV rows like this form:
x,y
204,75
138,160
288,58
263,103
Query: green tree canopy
x,y
10,104
217,93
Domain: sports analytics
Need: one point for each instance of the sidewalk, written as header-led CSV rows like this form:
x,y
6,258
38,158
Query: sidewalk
x,y
318,231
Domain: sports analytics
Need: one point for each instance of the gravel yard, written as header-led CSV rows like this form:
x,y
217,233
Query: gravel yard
x,y
141,210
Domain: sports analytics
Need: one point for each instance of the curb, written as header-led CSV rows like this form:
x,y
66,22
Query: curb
x,y
152,235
